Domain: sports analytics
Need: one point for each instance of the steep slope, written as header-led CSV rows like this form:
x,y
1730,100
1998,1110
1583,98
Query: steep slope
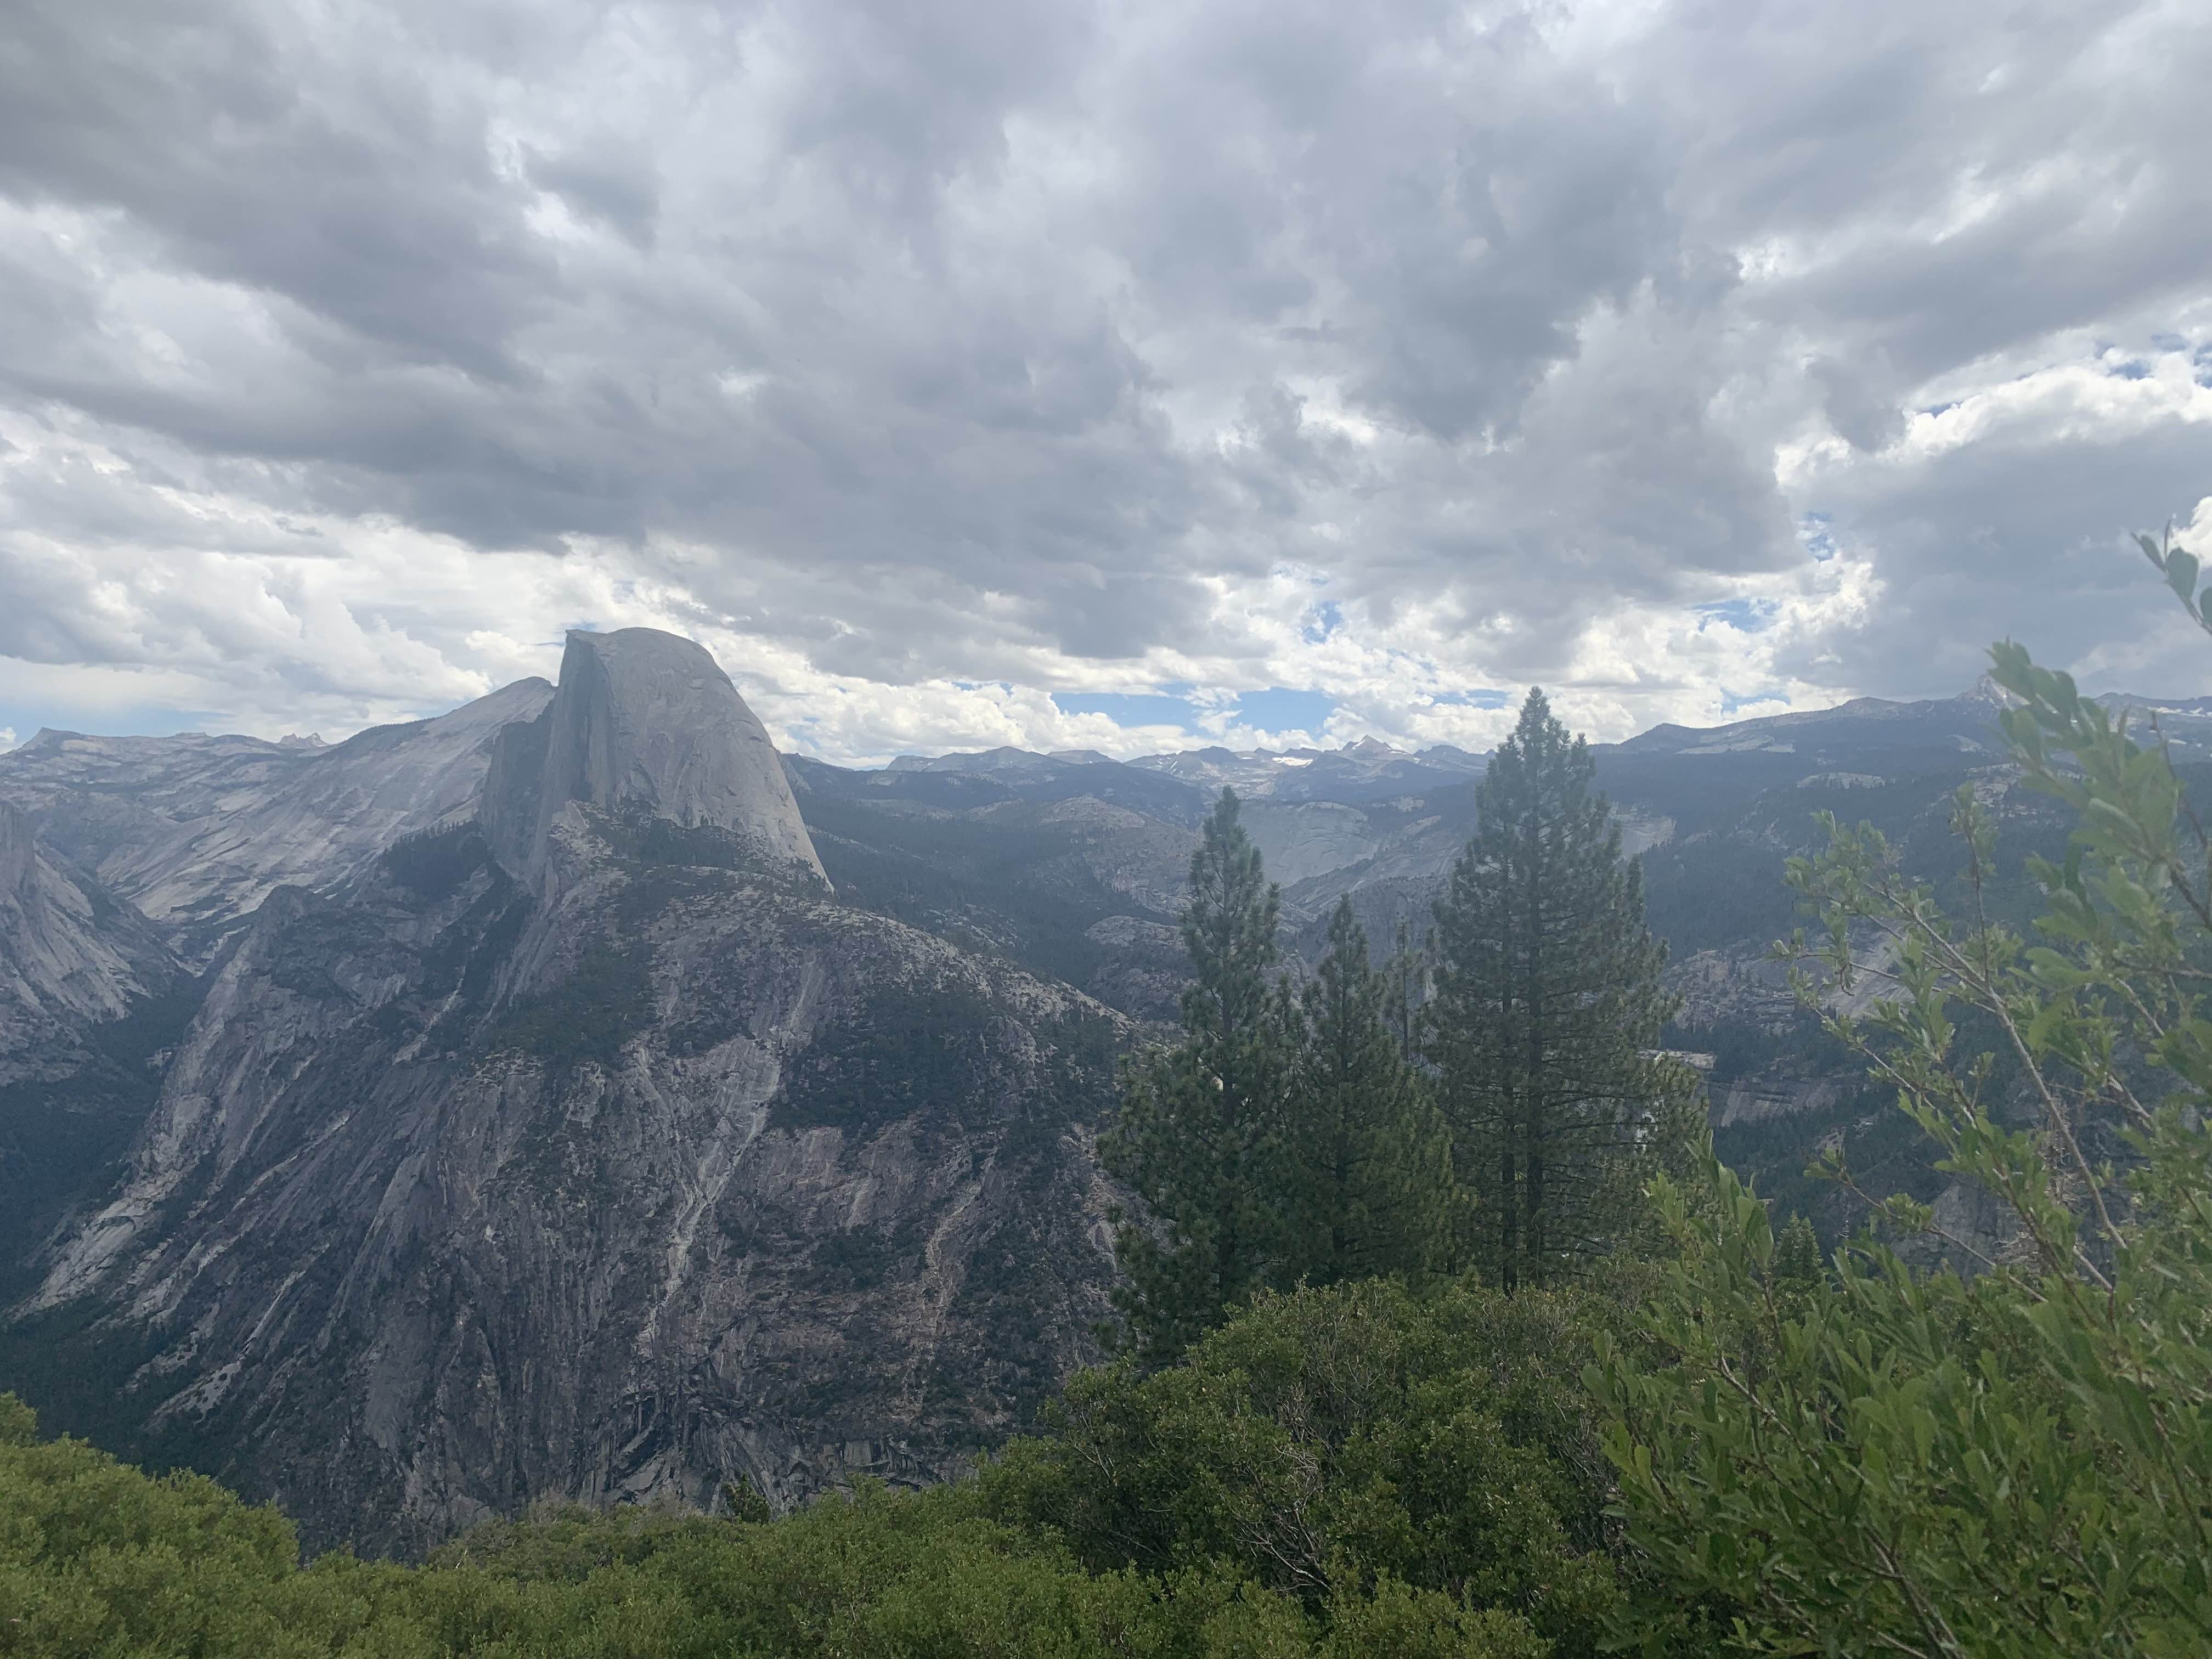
x,y
70,956
88,990
196,831
623,1161
1070,884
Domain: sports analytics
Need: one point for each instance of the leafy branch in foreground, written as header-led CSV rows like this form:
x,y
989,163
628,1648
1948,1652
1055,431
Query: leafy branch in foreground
x,y
2015,1460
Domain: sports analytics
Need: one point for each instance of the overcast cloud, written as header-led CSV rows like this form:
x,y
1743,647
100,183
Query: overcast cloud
x,y
931,363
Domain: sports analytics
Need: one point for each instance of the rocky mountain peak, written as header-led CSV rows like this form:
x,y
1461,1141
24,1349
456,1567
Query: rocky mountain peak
x,y
648,721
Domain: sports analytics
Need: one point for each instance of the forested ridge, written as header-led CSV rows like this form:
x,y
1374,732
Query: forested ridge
x,y
1443,1331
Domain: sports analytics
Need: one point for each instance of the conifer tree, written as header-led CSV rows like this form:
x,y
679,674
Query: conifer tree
x,y
1365,1160
1198,1123
1406,987
1548,1006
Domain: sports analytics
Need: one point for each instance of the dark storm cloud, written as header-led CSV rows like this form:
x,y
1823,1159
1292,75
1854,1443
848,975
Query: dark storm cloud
x,y
342,178
962,340
312,159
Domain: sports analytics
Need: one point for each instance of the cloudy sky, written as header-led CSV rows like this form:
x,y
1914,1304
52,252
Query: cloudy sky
x,y
1061,373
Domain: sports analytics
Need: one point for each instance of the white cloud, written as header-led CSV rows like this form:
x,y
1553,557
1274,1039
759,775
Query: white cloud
x,y
926,363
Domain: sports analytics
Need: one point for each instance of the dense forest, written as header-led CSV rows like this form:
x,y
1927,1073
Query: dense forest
x,y
1444,1330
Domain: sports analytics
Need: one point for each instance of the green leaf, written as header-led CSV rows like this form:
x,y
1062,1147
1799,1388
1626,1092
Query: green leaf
x,y
2181,573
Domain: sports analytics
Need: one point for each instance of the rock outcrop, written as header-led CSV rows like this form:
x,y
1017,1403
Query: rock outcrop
x,y
16,853
644,724
1308,838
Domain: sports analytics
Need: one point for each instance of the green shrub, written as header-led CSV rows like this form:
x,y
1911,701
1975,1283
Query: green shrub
x,y
1330,1441
2012,1461
99,1561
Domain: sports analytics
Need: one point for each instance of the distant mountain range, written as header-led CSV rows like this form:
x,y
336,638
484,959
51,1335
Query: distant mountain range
x,y
1365,769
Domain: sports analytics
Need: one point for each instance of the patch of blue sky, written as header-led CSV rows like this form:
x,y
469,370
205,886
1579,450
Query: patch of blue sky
x,y
1731,701
1816,535
1284,708
1934,410
1128,708
1322,623
1745,616
1480,697
2124,364
136,720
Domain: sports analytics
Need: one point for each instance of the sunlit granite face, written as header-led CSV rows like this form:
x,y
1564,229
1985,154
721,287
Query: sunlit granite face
x,y
646,721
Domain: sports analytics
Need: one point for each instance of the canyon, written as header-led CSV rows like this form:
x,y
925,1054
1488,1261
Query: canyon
x,y
571,1096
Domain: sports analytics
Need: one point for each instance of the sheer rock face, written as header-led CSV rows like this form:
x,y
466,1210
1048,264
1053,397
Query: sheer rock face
x,y
458,1196
15,853
645,724
586,1146
1305,839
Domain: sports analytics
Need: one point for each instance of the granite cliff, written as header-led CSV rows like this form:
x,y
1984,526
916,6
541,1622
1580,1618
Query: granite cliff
x,y
647,726
582,1143
89,990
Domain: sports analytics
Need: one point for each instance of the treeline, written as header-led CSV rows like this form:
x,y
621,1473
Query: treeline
x,y
1333,1476
1444,1340
1494,1103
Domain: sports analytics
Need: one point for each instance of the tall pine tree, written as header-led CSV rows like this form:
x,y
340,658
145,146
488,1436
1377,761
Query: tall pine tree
x,y
1197,1130
1364,1158
1547,1008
